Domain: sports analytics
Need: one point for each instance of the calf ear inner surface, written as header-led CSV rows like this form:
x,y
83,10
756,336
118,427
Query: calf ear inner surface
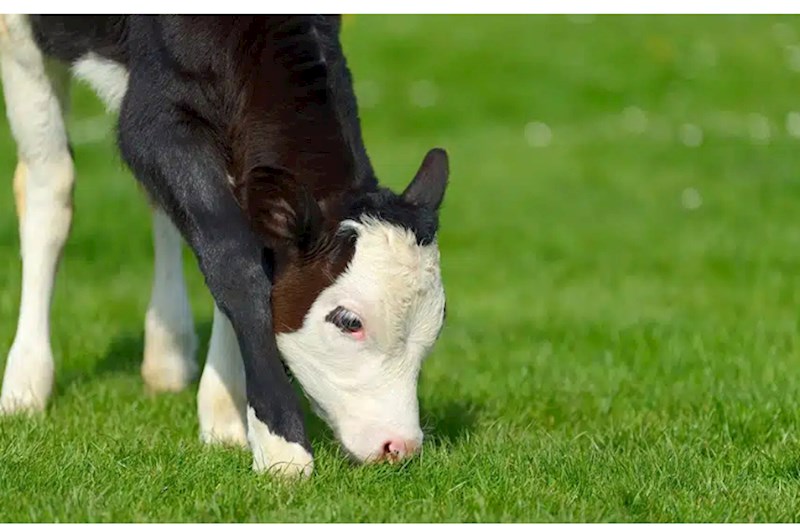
x,y
428,186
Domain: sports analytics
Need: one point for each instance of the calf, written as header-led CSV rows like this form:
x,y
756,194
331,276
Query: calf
x,y
243,131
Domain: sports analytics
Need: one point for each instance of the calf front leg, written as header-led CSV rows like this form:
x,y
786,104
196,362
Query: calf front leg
x,y
222,398
179,165
170,342
236,276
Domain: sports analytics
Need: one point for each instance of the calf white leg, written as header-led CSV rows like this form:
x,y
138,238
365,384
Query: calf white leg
x,y
170,342
43,189
221,399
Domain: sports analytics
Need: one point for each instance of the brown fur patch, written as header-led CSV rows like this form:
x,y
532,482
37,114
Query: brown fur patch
x,y
297,287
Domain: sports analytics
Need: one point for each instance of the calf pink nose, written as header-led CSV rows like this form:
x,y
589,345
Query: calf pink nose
x,y
396,449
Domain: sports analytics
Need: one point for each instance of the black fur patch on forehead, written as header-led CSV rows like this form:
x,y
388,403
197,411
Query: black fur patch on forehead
x,y
385,205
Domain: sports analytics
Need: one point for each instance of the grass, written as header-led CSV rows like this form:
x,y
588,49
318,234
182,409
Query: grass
x,y
621,250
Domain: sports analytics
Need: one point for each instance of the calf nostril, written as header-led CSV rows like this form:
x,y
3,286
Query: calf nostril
x,y
393,449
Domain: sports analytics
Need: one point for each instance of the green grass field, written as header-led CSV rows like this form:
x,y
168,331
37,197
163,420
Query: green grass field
x,y
621,250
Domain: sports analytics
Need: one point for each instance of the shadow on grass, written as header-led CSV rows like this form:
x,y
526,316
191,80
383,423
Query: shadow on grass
x,y
449,422
786,469
125,354
127,350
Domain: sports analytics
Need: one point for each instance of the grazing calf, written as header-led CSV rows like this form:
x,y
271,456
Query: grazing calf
x,y
244,132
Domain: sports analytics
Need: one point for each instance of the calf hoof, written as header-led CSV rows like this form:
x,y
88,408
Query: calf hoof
x,y
169,361
28,381
220,422
20,404
230,434
275,455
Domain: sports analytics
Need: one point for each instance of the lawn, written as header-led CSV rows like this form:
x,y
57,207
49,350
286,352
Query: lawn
x,y
621,251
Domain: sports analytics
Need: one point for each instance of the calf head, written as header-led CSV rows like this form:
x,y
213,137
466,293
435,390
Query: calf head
x,y
358,303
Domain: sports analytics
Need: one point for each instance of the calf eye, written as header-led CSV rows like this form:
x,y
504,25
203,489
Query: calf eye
x,y
344,319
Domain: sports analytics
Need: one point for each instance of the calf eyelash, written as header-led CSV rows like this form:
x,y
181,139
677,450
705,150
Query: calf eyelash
x,y
345,320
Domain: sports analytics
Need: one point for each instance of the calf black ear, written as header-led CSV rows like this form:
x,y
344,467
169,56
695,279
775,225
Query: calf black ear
x,y
428,186
282,210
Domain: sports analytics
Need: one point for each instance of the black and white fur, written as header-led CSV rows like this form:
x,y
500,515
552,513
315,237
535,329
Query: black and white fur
x,y
244,133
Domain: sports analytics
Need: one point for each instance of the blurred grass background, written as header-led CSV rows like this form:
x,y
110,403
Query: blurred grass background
x,y
620,246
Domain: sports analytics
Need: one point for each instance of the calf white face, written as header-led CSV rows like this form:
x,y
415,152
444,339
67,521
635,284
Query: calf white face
x,y
359,350
359,303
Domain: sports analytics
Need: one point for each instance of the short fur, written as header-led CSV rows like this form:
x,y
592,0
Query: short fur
x,y
244,131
